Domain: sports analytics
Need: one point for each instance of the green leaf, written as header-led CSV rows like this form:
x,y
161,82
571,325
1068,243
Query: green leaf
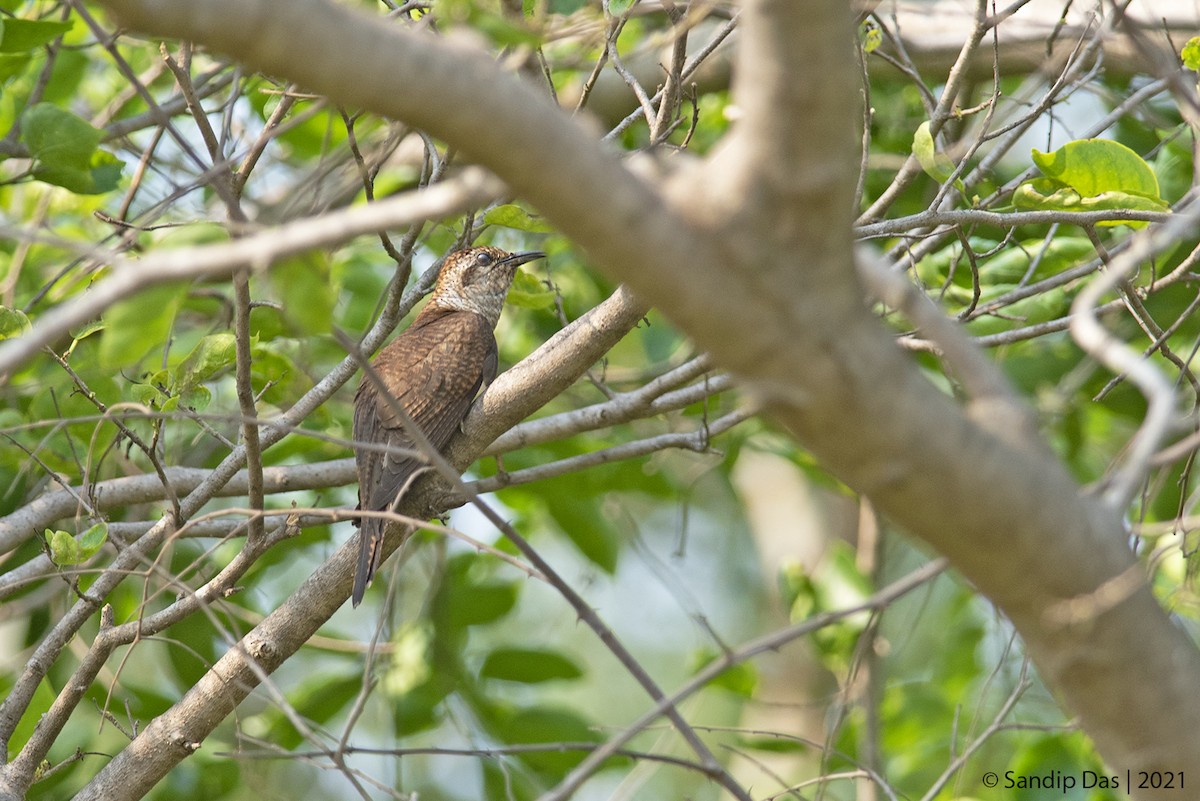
x,y
195,398
843,581
68,550
513,216
65,151
580,519
408,667
63,548
100,175
1053,256
475,604
741,679
529,293
19,35
70,68
547,725
1095,166
38,706
304,284
798,591
1191,53
146,394
86,330
318,698
528,665
12,64
1007,265
93,539
1038,308
13,323
135,326
936,165
193,648
1045,194
211,354
774,745
55,135
420,708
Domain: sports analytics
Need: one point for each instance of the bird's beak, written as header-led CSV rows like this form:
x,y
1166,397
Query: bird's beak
x,y
517,259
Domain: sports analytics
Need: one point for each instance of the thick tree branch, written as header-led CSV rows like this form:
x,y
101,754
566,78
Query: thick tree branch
x,y
470,189
767,234
1123,360
515,394
363,62
130,490
1014,521
655,397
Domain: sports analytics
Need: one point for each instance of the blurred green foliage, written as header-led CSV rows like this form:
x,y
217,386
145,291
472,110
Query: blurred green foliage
x,y
485,680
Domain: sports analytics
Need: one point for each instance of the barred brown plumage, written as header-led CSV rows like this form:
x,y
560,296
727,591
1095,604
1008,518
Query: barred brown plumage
x,y
433,370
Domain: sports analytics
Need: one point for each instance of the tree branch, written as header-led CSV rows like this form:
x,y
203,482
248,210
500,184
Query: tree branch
x,y
514,394
655,397
760,232
470,189
1010,522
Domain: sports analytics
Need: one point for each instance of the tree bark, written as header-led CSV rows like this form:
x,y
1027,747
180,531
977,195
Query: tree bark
x,y
760,231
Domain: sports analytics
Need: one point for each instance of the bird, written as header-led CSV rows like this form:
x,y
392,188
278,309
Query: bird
x,y
433,370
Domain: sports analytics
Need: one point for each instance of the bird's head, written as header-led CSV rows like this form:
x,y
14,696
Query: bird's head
x,y
477,280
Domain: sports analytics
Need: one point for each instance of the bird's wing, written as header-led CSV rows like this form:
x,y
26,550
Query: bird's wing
x,y
434,370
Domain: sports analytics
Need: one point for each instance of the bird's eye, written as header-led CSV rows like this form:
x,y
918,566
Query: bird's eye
x,y
483,258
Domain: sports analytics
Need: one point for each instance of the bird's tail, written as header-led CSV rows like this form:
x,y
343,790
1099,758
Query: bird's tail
x,y
370,552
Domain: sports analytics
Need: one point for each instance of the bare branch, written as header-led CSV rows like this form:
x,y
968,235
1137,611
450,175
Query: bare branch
x,y
769,642
513,395
653,398
994,403
951,217
471,188
698,441
1120,358
749,252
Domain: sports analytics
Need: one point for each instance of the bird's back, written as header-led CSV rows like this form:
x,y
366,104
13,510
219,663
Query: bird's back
x,y
432,372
